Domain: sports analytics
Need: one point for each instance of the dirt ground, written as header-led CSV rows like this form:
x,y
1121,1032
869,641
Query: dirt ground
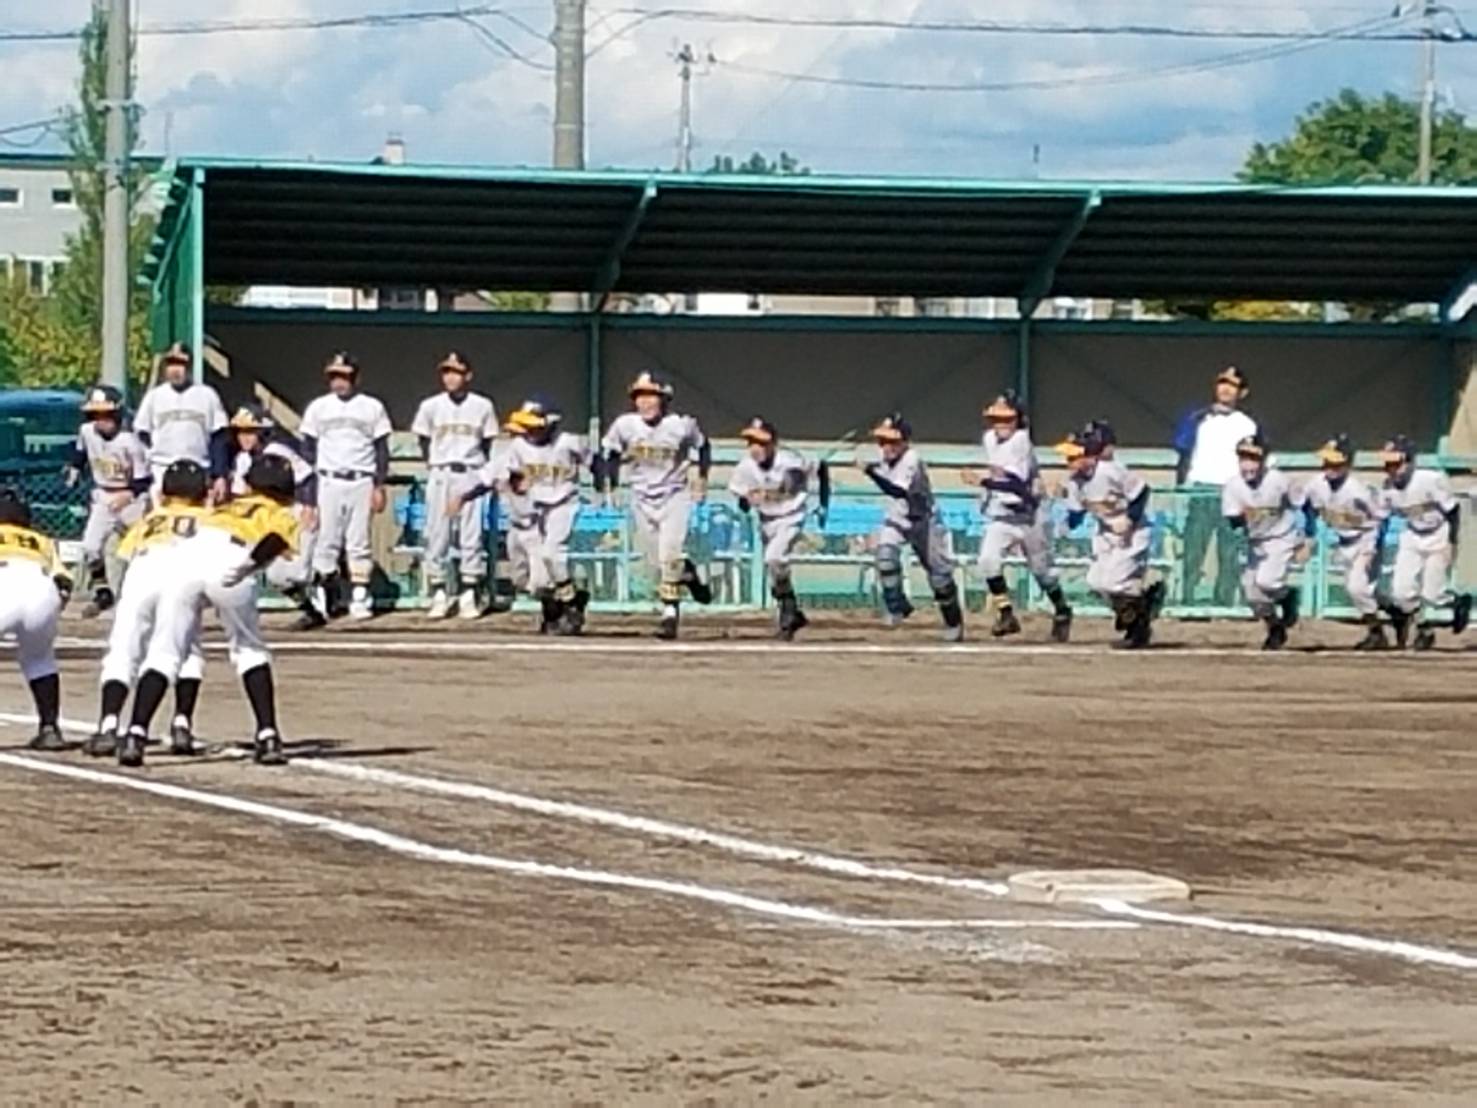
x,y
157,949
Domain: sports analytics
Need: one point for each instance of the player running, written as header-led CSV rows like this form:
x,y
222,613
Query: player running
x,y
539,474
666,459
1274,513
218,566
1353,512
775,483
1017,517
119,467
34,585
1118,499
1426,547
911,519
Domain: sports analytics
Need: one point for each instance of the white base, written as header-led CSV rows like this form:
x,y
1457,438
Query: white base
x,y
1080,886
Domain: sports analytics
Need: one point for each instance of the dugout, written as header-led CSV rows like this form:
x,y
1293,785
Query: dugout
x,y
822,378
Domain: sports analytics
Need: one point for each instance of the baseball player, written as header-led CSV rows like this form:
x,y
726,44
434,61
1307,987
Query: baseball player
x,y
1355,515
775,482
1426,547
1017,516
33,587
152,549
666,458
119,468
910,518
1274,513
252,436
540,472
218,567
456,428
346,437
179,420
1118,499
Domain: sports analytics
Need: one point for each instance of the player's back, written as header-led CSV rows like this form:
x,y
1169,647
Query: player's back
x,y
165,525
24,545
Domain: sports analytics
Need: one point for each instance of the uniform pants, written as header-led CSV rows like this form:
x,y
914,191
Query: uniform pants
x,y
177,628
661,532
1119,562
1359,559
780,534
443,489
289,573
1004,537
149,576
343,527
1422,564
928,540
105,521
539,549
29,607
1268,566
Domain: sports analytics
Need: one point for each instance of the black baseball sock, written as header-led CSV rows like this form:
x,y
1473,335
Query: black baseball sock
x,y
47,693
1058,600
261,692
115,695
186,695
146,699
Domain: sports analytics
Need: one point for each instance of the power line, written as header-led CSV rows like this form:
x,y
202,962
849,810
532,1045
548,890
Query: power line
x,y
992,27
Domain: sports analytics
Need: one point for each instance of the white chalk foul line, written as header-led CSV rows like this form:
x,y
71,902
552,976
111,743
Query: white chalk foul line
x,y
655,828
426,852
1363,944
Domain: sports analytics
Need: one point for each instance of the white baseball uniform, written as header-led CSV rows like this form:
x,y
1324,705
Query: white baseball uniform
x,y
457,433
118,466
1120,547
179,424
541,513
1353,512
1273,511
1014,509
779,494
1424,550
286,572
345,431
656,464
29,601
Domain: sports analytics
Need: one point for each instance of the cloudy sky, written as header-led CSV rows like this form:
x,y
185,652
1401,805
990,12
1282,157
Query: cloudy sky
x,y
1104,107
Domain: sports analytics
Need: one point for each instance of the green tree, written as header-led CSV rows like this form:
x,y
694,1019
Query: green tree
x,y
757,165
57,339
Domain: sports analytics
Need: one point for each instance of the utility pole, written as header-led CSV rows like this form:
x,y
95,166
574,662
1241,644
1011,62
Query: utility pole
x,y
119,124
1428,90
569,84
685,57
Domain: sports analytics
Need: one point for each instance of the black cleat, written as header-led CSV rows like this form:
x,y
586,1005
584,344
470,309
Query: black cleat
x,y
49,737
1425,639
1290,605
1374,639
266,750
310,620
182,741
1154,596
131,750
1276,637
1461,613
1061,626
1006,622
667,629
795,623
101,744
102,600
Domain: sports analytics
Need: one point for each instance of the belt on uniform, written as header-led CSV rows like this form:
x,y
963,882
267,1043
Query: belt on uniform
x,y
345,474
454,467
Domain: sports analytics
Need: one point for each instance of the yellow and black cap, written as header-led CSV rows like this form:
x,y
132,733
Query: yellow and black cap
x,y
102,400
251,417
893,428
341,364
1397,451
1005,407
1336,452
759,430
534,414
455,362
1252,446
648,383
177,353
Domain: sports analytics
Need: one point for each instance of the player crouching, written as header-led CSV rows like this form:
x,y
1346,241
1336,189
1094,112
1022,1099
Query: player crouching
x,y
539,474
911,519
1353,512
1273,512
1426,547
33,587
775,483
1118,498
218,567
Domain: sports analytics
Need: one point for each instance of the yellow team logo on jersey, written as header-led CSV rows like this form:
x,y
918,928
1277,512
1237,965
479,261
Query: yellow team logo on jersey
x,y
252,518
649,452
30,546
169,522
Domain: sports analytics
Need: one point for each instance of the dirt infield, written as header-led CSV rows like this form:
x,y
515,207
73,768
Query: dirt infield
x,y
167,948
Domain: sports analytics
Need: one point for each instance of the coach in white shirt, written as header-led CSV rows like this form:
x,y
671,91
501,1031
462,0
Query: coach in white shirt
x,y
179,420
1206,443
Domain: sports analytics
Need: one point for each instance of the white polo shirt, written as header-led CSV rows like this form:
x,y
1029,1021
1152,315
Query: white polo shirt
x,y
1213,461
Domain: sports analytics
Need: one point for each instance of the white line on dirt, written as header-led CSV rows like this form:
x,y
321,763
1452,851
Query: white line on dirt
x,y
1363,944
644,825
342,643
1395,948
426,852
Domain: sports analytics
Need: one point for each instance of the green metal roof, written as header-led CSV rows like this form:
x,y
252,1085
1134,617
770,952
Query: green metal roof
x,y
367,225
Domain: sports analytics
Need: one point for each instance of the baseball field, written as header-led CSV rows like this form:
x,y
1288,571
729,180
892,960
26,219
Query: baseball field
x,y
503,869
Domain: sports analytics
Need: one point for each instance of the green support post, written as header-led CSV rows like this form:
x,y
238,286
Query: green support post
x,y
594,372
197,272
1023,357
